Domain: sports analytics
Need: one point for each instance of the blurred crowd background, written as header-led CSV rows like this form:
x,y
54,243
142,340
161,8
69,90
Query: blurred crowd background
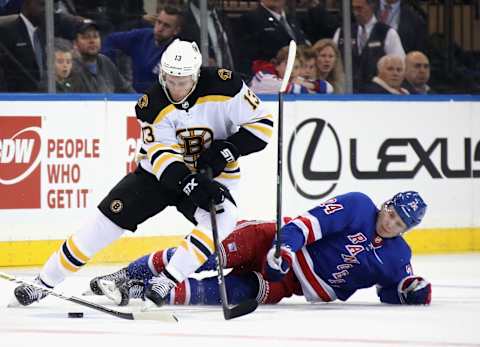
x,y
114,46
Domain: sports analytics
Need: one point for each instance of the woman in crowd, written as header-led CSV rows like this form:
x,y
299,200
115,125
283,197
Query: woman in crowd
x,y
329,64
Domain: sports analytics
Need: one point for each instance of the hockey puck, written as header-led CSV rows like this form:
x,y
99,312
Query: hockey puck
x,y
75,314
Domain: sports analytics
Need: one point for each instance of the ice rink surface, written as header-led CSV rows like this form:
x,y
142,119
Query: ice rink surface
x,y
453,319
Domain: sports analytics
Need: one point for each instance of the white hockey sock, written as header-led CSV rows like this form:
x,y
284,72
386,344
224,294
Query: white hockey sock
x,y
77,250
192,252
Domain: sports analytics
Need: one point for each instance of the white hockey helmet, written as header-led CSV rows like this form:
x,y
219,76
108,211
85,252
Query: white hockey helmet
x,y
181,58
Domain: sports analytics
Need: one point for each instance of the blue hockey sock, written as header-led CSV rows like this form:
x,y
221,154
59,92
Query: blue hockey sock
x,y
144,267
239,288
139,269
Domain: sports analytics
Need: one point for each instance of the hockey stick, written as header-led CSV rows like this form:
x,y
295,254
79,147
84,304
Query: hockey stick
x,y
152,315
292,52
243,308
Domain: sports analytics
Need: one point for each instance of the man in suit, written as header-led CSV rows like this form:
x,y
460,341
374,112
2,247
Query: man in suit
x,y
267,29
371,40
22,55
411,27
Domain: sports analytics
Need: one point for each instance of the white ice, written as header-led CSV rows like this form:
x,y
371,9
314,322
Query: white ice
x,y
453,318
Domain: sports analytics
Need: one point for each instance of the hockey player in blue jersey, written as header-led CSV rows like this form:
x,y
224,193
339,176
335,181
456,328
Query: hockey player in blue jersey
x,y
327,253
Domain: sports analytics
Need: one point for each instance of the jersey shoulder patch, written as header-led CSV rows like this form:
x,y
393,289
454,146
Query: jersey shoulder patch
x,y
224,74
150,104
219,81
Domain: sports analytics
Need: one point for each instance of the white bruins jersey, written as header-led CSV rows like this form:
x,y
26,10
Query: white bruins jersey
x,y
220,106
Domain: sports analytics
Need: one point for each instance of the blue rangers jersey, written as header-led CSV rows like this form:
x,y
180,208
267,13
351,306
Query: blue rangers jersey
x,y
338,251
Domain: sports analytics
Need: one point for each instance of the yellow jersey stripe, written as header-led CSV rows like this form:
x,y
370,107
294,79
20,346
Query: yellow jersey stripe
x,y
163,113
232,166
161,146
212,98
228,176
76,252
162,159
266,130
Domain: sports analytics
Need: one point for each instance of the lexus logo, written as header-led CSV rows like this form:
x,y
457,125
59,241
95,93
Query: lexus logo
x,y
314,159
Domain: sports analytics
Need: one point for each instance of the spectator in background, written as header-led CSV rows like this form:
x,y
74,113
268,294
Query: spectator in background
x,y
63,66
128,14
411,27
269,76
265,30
308,67
319,23
145,46
371,40
22,54
307,76
3,82
417,73
94,72
391,73
329,64
8,7
220,43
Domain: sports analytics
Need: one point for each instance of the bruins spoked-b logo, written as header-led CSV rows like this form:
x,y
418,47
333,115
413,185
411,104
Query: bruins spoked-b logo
x,y
143,101
116,206
193,141
224,74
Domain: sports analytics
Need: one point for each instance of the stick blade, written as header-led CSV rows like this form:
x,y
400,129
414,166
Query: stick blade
x,y
241,309
292,52
161,316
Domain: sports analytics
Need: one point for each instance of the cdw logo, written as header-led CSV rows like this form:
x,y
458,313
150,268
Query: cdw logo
x,y
20,148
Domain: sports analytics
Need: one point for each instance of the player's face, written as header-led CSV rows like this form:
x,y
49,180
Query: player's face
x,y
178,86
389,223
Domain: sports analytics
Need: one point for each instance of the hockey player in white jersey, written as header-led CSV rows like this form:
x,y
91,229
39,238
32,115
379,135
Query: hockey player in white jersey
x,y
193,120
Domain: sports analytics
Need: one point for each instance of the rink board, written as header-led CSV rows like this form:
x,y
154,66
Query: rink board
x,y
60,155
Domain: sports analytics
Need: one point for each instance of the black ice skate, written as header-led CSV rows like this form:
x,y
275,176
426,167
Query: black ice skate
x,y
122,291
158,288
120,275
26,294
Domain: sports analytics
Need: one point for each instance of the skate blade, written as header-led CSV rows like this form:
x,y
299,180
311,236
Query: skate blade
x,y
88,293
148,305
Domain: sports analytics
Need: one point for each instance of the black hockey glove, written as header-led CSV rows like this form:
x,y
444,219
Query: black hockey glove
x,y
201,190
217,156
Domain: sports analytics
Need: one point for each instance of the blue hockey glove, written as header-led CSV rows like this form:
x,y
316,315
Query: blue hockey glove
x,y
277,268
201,190
217,156
415,290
